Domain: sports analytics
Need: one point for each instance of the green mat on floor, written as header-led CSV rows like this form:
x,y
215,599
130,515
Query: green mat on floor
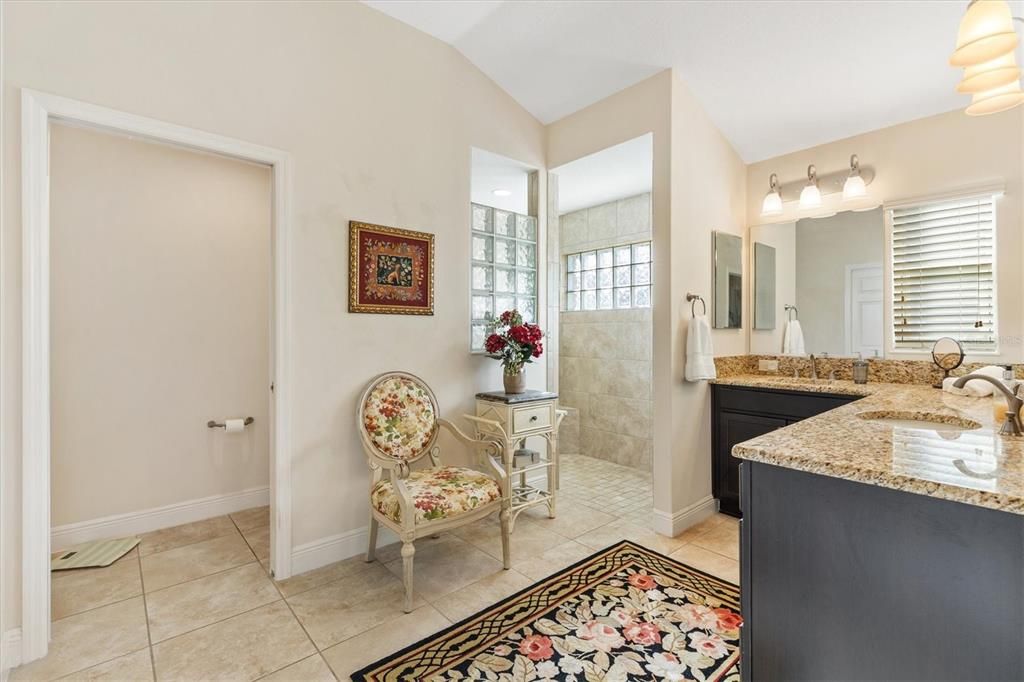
x,y
89,554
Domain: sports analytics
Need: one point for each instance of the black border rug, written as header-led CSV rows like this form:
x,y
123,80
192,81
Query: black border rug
x,y
624,613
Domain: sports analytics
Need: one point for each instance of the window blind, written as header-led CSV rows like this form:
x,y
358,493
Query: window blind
x,y
943,280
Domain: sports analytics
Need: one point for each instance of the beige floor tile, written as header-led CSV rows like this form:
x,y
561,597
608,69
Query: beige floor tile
x,y
554,559
323,575
614,532
570,520
178,609
466,601
90,638
374,644
696,530
245,647
342,609
135,667
81,589
259,541
446,564
723,539
528,539
194,561
312,669
186,534
251,518
710,562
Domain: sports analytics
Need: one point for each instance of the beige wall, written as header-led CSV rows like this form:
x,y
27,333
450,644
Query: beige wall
x,y
922,158
160,279
605,355
379,119
781,237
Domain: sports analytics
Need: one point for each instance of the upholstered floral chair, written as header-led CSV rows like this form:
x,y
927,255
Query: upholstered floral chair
x,y
399,423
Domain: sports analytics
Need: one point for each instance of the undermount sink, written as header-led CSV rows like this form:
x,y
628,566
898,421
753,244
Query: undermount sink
x,y
932,421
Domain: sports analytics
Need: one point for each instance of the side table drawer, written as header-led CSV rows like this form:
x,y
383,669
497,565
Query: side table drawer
x,y
531,418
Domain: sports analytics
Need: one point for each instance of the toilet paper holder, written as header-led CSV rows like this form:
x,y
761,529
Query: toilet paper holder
x,y
221,425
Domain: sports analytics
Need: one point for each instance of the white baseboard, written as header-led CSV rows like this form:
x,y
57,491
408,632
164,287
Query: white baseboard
x,y
10,653
674,524
337,547
148,520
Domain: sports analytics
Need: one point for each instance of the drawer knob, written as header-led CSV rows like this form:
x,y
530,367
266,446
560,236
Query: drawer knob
x,y
533,418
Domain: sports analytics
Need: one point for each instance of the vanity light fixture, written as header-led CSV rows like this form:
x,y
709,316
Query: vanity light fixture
x,y
854,187
985,46
772,204
501,193
810,196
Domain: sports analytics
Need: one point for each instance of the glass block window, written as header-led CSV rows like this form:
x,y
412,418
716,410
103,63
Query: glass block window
x,y
605,279
504,268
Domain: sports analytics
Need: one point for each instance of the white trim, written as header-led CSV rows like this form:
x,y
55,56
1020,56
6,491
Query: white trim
x,y
10,653
995,188
38,109
311,555
672,525
147,520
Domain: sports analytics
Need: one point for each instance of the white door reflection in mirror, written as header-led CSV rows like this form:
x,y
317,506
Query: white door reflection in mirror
x,y
864,309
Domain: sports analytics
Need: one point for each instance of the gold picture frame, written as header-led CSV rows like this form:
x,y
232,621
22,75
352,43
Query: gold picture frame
x,y
391,270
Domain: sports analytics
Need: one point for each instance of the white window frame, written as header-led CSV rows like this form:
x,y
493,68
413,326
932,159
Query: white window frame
x,y
992,189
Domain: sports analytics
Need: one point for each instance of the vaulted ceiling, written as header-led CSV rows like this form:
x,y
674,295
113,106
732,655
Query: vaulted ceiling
x,y
775,75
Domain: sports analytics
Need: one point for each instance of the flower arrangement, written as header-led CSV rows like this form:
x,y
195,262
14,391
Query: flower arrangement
x,y
514,342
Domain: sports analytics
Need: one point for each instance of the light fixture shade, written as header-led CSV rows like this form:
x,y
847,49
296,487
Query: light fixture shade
x,y
810,197
996,100
986,32
988,75
772,204
854,188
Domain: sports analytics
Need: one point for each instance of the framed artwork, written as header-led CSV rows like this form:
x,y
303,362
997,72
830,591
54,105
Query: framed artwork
x,y
390,270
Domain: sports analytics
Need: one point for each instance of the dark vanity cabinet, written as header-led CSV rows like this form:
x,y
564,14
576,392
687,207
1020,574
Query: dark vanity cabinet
x,y
739,414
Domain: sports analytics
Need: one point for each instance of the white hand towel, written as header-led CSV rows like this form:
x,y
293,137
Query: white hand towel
x,y
700,356
793,338
975,387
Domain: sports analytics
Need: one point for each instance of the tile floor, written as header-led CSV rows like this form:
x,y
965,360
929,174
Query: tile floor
x,y
195,603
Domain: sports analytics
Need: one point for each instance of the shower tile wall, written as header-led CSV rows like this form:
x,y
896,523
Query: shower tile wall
x,y
604,356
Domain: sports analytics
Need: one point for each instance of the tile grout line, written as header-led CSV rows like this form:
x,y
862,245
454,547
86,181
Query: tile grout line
x,y
145,612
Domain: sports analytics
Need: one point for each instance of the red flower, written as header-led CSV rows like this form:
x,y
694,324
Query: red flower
x,y
728,620
536,647
645,634
642,581
494,343
538,349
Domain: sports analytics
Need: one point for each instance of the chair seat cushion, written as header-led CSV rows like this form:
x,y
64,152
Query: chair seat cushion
x,y
439,493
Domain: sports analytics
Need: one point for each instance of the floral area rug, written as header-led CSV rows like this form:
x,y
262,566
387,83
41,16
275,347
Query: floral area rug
x,y
626,613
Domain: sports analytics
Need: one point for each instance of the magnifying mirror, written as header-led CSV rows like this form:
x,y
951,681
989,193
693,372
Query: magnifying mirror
x,y
947,354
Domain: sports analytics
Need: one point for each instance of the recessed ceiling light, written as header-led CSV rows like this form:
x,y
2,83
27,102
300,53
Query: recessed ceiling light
x,y
501,193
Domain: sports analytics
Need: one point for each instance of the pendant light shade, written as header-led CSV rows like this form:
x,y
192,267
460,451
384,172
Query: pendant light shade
x,y
854,187
996,100
988,75
772,204
810,196
986,33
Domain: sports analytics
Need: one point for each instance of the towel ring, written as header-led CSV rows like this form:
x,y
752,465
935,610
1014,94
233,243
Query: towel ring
x,y
791,309
693,298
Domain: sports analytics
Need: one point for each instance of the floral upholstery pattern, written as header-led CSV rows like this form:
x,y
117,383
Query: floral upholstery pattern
x,y
399,417
437,493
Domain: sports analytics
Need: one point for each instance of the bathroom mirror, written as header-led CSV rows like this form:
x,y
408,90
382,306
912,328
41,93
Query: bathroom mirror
x,y
831,270
764,286
728,293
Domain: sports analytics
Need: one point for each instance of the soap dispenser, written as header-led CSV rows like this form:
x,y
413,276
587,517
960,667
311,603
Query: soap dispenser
x,y
860,370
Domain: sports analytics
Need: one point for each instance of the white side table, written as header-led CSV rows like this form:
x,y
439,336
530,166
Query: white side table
x,y
509,419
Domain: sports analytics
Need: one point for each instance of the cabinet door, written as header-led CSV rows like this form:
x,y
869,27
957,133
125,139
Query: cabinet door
x,y
733,428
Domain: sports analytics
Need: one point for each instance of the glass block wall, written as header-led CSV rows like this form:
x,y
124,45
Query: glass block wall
x,y
504,268
617,277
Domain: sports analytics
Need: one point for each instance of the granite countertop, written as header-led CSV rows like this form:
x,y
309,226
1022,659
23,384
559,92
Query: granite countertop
x,y
973,466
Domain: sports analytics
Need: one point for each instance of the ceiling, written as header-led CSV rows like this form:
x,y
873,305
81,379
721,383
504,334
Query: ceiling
x,y
617,172
774,75
490,172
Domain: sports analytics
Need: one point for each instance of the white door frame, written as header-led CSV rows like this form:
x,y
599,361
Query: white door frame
x,y
38,109
848,308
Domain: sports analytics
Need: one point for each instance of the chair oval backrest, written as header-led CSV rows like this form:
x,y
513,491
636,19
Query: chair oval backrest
x,y
398,416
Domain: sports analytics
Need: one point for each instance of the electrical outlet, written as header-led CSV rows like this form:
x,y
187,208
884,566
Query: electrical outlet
x,y
768,365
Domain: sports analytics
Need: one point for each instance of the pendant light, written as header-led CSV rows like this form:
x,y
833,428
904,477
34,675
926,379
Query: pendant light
x,y
986,32
772,204
854,187
996,100
991,74
810,196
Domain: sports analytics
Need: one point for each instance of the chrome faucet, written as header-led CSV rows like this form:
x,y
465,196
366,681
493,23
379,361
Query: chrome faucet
x,y
1011,427
814,368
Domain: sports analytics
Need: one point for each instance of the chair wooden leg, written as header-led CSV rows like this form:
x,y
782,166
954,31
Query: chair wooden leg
x,y
506,552
407,553
371,549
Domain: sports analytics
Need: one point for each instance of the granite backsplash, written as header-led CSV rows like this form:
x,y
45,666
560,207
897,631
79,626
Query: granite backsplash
x,y
879,369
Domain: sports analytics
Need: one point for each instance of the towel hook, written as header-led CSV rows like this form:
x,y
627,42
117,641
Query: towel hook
x,y
693,298
791,309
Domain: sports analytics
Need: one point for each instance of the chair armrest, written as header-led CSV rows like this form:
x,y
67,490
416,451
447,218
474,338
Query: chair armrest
x,y
476,443
486,422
